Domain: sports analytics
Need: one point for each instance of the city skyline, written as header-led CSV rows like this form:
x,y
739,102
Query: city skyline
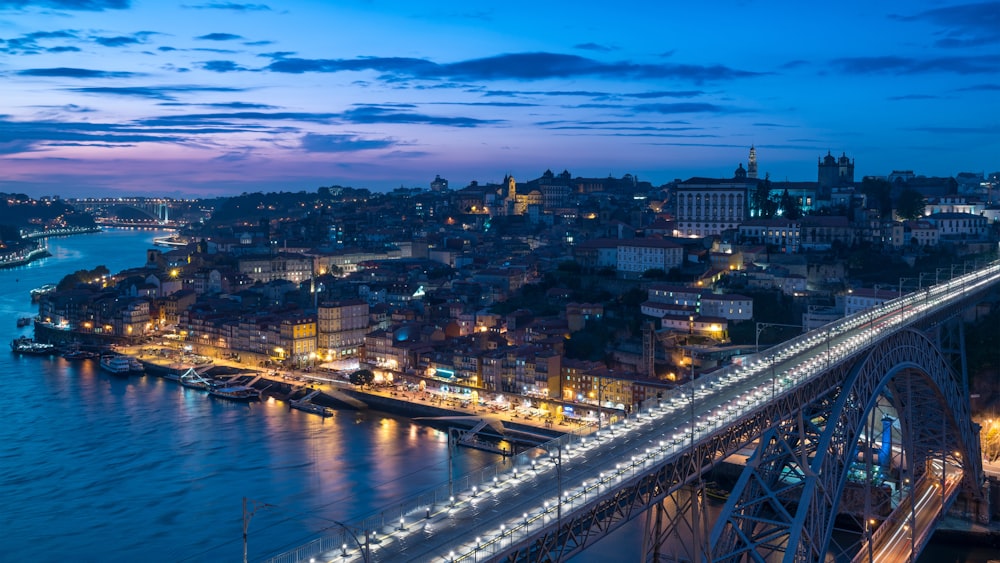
x,y
209,98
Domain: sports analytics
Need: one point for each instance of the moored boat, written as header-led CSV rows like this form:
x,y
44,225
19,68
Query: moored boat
x,y
194,380
23,322
80,355
311,407
715,491
38,292
116,365
27,346
234,393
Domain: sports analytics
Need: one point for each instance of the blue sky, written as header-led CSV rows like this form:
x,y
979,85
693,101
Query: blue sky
x,y
213,97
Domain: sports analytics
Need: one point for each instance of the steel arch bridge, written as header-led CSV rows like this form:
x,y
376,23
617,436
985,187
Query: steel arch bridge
x,y
811,404
808,456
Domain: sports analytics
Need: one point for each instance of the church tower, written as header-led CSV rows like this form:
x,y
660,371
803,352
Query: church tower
x,y
752,164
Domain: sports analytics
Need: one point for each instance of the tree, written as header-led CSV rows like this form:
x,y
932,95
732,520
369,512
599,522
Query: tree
x,y
362,377
910,204
760,197
790,208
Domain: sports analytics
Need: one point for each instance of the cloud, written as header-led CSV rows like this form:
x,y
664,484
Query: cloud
x,y
219,37
27,136
151,92
64,49
669,109
198,119
232,6
65,72
966,25
118,41
314,142
222,66
516,66
598,95
913,97
972,64
593,47
379,114
29,43
82,5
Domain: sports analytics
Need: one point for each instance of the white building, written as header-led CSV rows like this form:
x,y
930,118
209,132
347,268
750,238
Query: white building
x,y
705,206
860,299
636,256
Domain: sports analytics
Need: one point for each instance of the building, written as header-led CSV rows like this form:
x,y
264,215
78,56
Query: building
x,y
706,207
281,266
835,172
861,299
958,225
341,329
779,233
636,256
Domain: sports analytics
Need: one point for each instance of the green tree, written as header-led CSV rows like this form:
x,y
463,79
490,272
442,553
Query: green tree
x,y
790,208
910,204
362,377
761,196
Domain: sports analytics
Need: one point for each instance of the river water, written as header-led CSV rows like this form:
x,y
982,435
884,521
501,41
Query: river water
x,y
95,468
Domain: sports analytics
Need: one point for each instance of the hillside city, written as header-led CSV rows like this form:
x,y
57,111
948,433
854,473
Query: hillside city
x,y
570,292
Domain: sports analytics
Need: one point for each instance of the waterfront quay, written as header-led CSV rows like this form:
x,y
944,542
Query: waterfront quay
x,y
425,400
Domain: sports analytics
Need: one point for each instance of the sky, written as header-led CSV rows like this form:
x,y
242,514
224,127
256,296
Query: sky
x,y
213,97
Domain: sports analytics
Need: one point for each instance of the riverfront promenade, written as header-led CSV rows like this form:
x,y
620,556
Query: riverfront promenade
x,y
406,395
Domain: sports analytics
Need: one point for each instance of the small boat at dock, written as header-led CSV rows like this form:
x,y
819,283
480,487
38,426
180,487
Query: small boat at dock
x,y
194,380
117,365
234,393
715,491
28,347
80,355
38,292
305,404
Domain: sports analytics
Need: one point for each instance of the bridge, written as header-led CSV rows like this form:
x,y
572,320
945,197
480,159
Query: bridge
x,y
154,210
862,435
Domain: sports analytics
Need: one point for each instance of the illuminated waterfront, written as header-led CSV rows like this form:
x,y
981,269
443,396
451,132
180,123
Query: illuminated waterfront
x,y
97,468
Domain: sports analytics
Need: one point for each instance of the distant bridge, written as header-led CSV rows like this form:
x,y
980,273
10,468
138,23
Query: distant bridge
x,y
156,208
867,418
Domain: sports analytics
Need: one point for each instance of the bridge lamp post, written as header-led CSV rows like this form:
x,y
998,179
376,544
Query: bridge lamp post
x,y
247,515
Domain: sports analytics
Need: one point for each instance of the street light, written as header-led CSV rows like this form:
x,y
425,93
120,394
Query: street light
x,y
254,506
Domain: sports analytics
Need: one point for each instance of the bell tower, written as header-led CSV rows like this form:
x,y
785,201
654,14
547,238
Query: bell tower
x,y
752,164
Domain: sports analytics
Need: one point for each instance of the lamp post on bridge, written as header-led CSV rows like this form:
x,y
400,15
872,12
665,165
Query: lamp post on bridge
x,y
247,515
363,548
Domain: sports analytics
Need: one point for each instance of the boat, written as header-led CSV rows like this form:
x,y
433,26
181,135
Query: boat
x,y
28,347
715,491
116,365
191,378
38,292
23,322
305,404
234,393
80,355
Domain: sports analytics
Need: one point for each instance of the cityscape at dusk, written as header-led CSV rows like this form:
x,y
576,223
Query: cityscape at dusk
x,y
205,98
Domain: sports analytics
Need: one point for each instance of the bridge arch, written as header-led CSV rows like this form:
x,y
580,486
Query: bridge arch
x,y
786,501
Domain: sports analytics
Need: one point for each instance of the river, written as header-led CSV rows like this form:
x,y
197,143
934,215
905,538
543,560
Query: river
x,y
95,468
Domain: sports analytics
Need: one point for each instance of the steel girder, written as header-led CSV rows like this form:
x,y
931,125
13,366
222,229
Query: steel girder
x,y
786,500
